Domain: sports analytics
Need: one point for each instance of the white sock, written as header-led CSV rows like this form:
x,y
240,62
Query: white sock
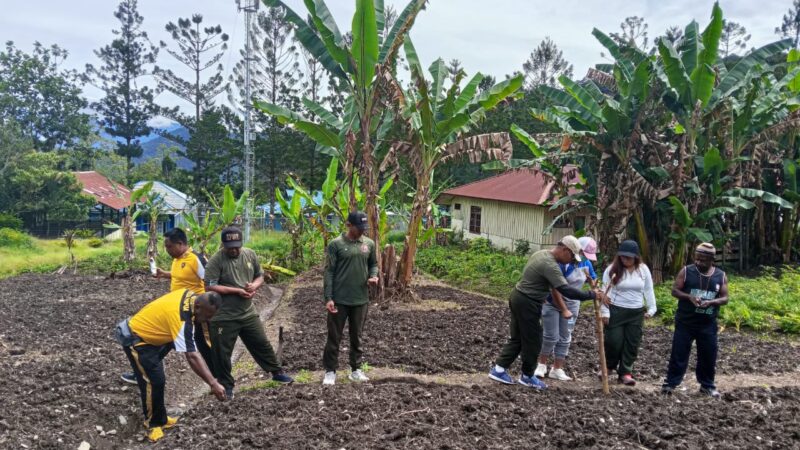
x,y
499,369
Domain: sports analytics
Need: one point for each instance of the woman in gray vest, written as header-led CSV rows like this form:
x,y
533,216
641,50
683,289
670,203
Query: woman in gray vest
x,y
700,289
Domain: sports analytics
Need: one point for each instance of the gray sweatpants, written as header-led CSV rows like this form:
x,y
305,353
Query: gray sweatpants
x,y
557,333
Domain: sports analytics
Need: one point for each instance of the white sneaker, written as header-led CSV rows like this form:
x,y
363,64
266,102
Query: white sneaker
x,y
358,376
559,374
541,370
330,379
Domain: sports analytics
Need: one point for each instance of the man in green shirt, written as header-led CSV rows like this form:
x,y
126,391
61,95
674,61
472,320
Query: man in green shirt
x,y
235,273
541,274
350,265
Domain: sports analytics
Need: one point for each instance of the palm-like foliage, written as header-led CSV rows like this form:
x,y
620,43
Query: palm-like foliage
x,y
202,231
436,121
364,69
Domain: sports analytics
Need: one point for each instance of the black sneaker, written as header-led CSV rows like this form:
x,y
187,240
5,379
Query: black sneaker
x,y
667,389
710,391
282,378
129,377
229,393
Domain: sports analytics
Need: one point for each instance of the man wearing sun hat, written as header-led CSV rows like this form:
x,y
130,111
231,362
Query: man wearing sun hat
x,y
701,288
540,274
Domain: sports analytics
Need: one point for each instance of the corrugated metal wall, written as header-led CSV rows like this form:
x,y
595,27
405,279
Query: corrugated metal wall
x,y
506,223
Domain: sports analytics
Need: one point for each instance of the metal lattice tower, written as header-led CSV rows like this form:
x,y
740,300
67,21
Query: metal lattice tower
x,y
249,7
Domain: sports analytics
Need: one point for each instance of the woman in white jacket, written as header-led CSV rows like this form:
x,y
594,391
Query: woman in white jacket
x,y
631,299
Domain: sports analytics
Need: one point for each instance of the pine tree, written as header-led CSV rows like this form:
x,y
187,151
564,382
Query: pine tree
x,y
209,148
790,28
454,68
545,65
673,34
734,38
633,33
127,106
193,42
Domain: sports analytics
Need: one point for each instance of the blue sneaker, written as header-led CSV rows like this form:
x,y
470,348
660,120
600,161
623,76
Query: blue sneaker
x,y
532,382
502,377
282,378
129,377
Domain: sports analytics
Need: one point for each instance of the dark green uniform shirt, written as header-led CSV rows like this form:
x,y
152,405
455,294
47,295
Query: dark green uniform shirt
x,y
540,274
348,265
223,270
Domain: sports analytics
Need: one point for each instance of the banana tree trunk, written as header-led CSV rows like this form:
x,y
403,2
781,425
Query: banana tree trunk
x,y
410,249
152,241
371,192
679,255
128,242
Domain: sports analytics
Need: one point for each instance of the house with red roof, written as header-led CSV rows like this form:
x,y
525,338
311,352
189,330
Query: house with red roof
x,y
509,208
112,199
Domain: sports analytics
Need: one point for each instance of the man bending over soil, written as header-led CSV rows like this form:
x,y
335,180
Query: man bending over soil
x,y
235,273
541,273
162,325
350,265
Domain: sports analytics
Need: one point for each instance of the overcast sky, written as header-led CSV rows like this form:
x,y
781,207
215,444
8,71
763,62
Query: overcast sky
x,y
490,36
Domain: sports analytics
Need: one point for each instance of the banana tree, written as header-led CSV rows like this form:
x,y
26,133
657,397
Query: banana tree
x,y
437,120
201,232
363,67
128,227
154,206
292,212
328,204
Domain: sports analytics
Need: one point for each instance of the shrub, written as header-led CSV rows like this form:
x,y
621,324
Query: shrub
x,y
95,242
396,237
10,221
13,238
523,248
84,233
480,245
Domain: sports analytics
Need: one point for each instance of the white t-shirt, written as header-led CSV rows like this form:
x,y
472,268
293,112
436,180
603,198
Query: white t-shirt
x,y
633,291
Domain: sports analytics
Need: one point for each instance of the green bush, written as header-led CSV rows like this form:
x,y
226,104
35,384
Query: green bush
x,y
84,233
523,248
396,237
12,238
95,242
10,221
480,245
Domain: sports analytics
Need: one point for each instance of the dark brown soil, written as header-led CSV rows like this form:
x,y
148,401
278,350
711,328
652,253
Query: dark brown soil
x,y
469,336
397,414
66,381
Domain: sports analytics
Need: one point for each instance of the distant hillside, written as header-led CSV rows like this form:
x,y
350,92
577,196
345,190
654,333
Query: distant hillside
x,y
152,142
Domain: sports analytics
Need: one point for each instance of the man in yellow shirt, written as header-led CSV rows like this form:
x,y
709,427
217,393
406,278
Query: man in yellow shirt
x,y
162,325
187,272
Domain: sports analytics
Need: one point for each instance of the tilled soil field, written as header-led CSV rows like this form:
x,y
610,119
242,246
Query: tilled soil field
x,y
455,331
398,414
60,365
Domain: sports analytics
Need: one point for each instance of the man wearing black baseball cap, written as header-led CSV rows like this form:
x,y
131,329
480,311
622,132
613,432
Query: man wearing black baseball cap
x,y
350,265
235,273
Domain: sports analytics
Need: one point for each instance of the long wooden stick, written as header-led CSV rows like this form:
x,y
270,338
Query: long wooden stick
x,y
601,345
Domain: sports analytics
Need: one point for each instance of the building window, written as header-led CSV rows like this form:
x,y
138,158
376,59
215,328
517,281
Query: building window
x,y
457,206
475,219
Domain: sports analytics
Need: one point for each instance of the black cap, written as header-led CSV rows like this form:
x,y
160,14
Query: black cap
x,y
358,219
628,248
231,237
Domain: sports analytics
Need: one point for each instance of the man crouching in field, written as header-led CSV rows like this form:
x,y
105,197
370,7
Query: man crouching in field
x,y
164,324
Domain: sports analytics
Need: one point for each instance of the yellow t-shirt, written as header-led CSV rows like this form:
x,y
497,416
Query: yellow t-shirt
x,y
167,319
188,272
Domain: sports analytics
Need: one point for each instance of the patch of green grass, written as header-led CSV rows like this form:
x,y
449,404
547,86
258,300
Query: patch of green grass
x,y
303,377
476,267
769,302
261,385
365,367
275,247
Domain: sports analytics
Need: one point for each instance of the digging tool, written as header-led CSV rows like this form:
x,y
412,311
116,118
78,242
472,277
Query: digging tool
x,y
601,349
279,353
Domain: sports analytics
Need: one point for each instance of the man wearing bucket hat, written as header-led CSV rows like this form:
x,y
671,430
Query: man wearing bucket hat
x,y
235,273
540,275
351,265
701,288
